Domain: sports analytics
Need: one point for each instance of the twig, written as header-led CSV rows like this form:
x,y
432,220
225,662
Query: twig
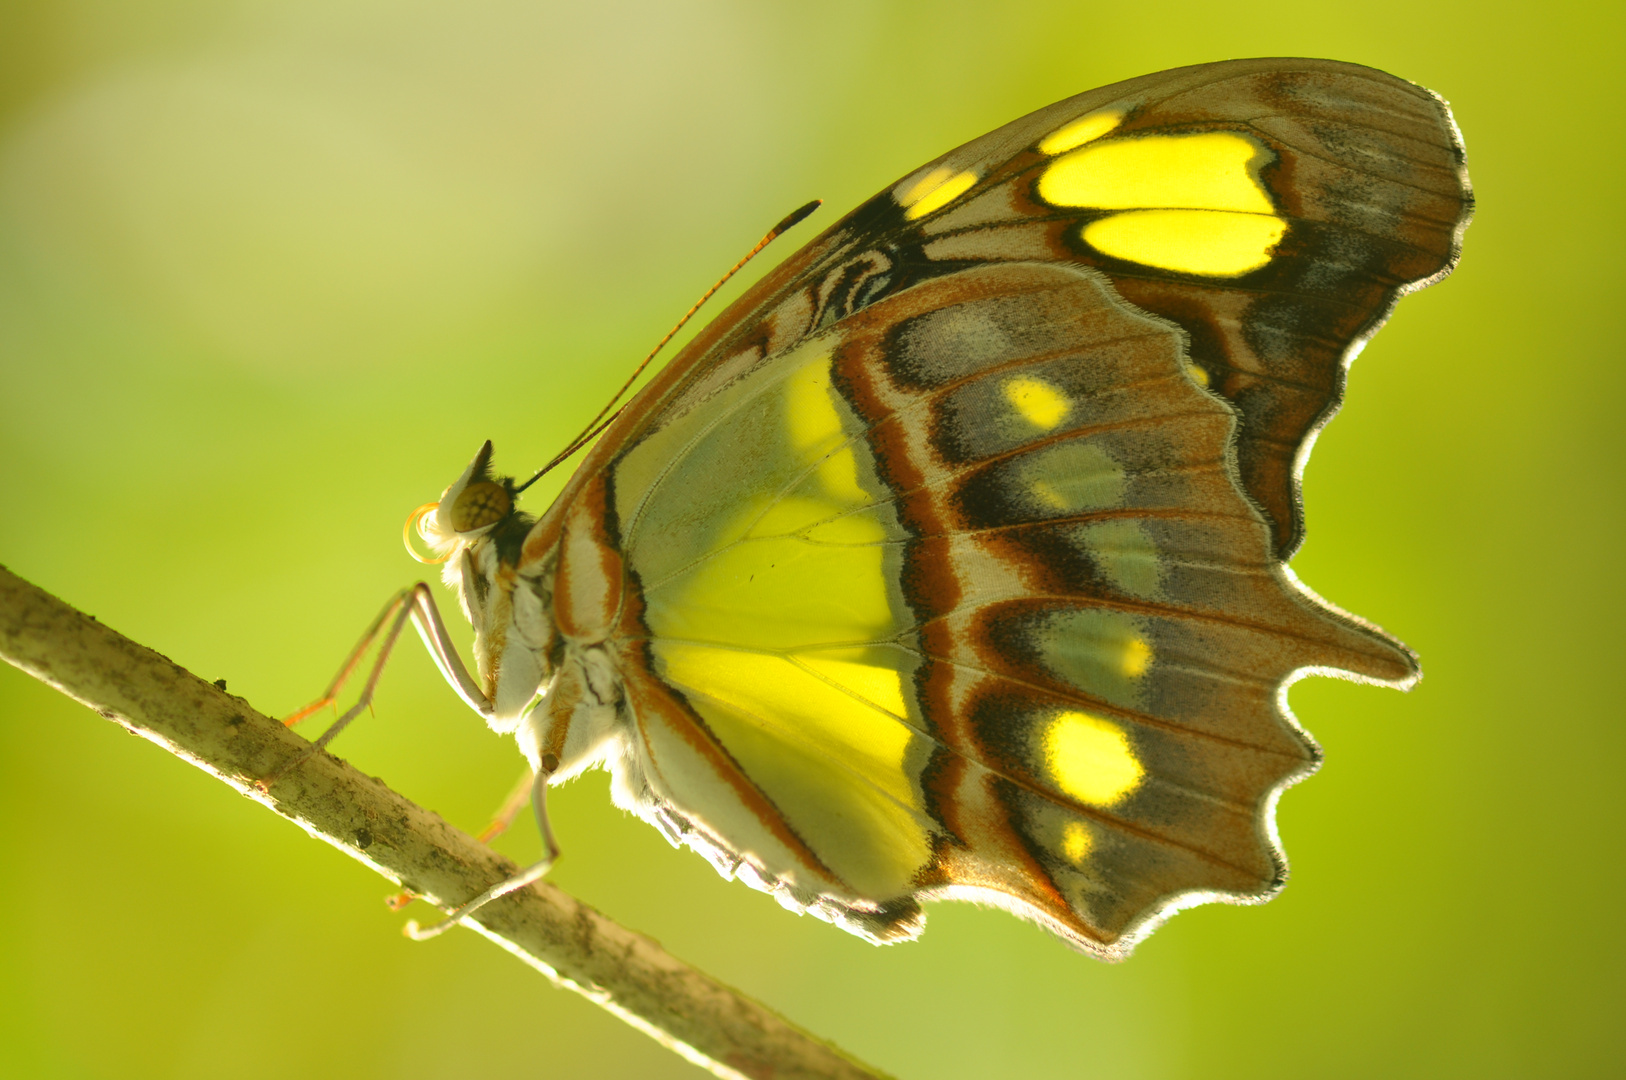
x,y
682,1008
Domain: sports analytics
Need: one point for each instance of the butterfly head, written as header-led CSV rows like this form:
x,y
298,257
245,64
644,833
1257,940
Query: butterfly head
x,y
475,503
474,513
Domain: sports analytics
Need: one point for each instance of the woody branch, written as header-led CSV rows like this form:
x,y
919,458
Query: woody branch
x,y
579,949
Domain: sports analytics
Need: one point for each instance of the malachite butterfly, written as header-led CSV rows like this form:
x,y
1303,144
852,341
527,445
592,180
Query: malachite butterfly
x,y
950,562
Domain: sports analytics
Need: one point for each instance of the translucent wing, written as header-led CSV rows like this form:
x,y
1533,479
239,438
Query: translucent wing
x,y
951,557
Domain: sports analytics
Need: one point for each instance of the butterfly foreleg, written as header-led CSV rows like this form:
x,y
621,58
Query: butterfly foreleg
x,y
417,604
432,629
351,662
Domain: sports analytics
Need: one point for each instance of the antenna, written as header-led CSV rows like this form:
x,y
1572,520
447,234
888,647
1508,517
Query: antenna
x,y
594,426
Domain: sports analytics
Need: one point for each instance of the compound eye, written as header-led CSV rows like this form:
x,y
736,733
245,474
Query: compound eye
x,y
478,505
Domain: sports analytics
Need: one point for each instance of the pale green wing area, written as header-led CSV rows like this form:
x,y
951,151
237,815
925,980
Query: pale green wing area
x,y
768,553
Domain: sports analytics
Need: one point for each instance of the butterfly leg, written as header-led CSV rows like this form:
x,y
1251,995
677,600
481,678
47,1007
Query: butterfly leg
x,y
500,821
417,604
331,694
505,815
539,803
401,609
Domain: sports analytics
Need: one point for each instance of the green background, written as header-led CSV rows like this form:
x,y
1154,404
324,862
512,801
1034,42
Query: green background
x,y
269,273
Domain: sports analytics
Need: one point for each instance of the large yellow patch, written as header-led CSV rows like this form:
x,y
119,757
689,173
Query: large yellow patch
x,y
1191,203
776,626
1215,243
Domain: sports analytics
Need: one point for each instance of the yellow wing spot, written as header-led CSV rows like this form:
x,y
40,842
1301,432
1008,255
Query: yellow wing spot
x,y
1084,129
1047,494
1091,759
1198,374
1040,404
1194,203
1136,659
934,191
1076,843
1210,171
1208,242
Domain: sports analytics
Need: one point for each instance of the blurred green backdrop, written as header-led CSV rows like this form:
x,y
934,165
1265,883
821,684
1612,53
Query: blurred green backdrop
x,y
271,270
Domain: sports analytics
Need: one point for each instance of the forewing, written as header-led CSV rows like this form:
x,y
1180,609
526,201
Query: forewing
x,y
1273,210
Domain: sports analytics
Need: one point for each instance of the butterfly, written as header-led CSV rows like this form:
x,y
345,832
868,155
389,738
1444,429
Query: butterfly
x,y
950,562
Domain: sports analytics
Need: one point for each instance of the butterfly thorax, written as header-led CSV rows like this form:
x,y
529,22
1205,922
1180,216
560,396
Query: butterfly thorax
x,y
544,663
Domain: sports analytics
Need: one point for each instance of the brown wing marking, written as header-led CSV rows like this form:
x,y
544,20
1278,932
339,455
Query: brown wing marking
x,y
1026,599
